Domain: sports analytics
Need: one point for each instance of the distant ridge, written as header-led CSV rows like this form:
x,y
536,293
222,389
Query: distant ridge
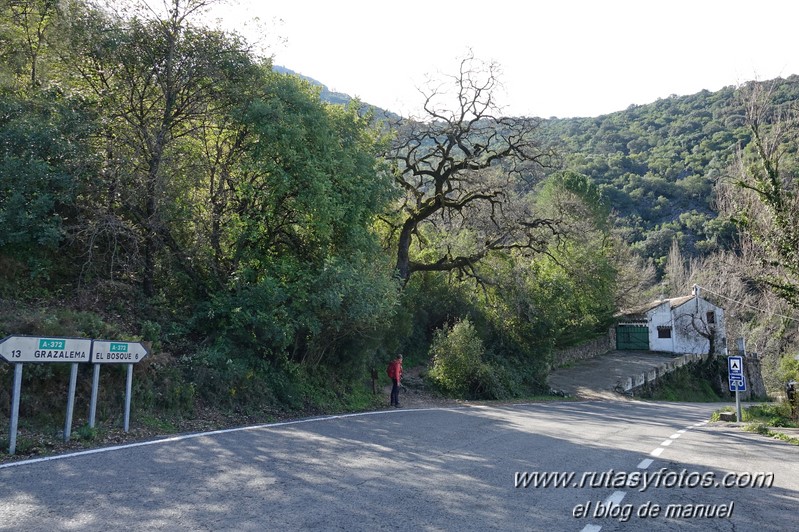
x,y
339,98
327,95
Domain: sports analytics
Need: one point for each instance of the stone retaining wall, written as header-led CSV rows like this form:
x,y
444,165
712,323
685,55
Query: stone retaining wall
x,y
590,349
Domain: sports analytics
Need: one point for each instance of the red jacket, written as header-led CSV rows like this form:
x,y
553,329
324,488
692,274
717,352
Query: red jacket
x,y
394,370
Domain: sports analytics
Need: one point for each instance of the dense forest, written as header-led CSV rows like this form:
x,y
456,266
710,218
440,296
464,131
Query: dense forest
x,y
658,166
276,243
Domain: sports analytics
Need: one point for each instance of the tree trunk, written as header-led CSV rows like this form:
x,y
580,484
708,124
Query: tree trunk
x,y
150,232
403,251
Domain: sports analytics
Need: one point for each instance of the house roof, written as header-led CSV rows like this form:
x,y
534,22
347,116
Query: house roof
x,y
641,310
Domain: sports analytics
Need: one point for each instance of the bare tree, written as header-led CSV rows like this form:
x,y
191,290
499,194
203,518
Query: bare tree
x,y
677,271
692,322
463,173
764,170
752,310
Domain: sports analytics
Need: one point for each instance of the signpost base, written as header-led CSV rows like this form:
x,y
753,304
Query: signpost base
x,y
738,406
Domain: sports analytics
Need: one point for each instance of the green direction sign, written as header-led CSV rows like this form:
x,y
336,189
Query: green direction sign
x,y
34,349
109,352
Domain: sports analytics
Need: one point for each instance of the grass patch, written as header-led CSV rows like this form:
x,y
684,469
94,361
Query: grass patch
x,y
769,414
762,419
160,424
24,445
689,383
85,433
764,430
772,415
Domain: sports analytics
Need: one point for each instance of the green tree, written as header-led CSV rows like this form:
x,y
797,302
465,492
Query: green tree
x,y
457,355
26,28
157,81
578,276
44,164
303,270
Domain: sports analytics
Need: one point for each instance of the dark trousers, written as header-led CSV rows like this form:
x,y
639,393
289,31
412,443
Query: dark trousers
x,y
395,393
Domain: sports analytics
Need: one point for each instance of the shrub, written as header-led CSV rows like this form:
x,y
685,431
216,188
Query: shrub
x,y
458,366
457,357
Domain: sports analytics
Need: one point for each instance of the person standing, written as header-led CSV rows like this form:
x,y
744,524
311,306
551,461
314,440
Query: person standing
x,y
394,371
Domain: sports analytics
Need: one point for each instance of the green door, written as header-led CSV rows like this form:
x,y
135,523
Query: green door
x,y
632,338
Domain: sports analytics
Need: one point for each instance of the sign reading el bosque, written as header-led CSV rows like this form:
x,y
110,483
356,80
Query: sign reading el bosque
x,y
108,352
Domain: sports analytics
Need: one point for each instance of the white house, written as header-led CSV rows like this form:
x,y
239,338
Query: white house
x,y
687,324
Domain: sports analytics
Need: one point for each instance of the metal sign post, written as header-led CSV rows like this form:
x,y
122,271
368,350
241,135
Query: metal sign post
x,y
12,434
93,402
128,390
735,370
73,378
109,352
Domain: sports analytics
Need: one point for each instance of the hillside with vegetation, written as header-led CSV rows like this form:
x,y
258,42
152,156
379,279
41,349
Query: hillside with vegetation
x,y
658,166
160,182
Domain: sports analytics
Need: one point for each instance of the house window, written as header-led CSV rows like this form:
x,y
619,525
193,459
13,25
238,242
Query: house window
x,y
711,318
664,331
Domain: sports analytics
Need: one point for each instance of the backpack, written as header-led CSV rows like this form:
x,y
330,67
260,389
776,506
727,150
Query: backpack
x,y
391,370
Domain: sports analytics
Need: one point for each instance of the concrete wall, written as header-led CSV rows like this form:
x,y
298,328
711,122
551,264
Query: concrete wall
x,y
632,383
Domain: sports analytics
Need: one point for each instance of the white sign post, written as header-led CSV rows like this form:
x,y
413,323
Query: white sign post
x,y
21,349
110,352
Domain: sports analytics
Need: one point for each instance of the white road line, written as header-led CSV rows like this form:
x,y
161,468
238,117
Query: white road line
x,y
615,499
213,433
618,496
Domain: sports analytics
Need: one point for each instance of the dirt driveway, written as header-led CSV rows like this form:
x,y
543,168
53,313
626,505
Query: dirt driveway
x,y
596,378
593,379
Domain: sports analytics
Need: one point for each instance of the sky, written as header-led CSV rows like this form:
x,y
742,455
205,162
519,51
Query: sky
x,y
562,58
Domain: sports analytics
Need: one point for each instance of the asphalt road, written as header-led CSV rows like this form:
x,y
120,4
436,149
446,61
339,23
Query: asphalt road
x,y
437,469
